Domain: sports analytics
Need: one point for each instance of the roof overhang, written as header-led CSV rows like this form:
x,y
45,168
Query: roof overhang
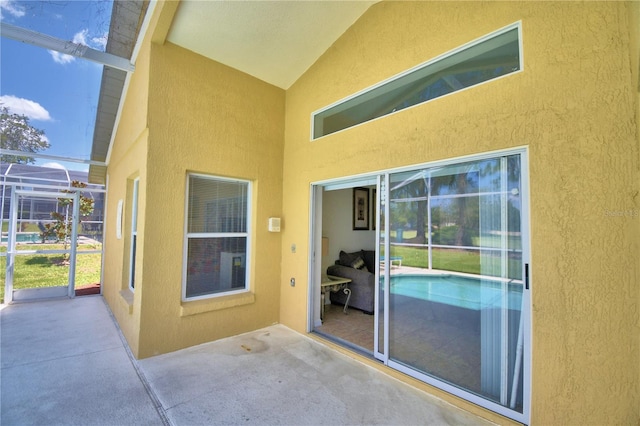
x,y
126,20
274,41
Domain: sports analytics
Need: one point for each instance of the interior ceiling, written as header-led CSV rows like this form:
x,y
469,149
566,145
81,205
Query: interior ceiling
x,y
275,41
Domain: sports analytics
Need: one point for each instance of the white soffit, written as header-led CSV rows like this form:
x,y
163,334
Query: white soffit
x,y
275,41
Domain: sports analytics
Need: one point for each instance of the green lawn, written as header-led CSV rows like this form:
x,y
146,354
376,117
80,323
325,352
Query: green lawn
x,y
49,270
26,227
449,260
466,261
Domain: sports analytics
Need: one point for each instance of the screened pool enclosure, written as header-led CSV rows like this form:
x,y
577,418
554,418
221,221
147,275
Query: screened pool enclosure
x,y
52,226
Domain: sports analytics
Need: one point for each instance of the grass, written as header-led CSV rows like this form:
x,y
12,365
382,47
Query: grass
x,y
25,227
49,270
449,260
465,261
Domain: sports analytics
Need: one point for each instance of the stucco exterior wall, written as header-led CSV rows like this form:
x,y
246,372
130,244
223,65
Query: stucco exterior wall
x,y
573,106
207,118
127,161
634,26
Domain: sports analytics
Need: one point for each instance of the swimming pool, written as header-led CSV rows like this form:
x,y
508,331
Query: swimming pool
x,y
24,237
464,292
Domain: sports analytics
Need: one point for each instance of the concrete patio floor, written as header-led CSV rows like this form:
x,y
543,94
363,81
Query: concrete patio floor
x,y
65,362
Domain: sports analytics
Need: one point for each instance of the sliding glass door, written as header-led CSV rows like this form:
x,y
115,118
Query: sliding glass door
x,y
453,296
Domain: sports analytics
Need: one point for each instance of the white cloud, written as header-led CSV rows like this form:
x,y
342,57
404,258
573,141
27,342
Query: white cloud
x,y
12,8
101,41
22,106
81,37
61,58
54,165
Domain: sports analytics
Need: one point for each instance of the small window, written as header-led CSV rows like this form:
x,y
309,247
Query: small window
x,y
217,234
134,234
485,59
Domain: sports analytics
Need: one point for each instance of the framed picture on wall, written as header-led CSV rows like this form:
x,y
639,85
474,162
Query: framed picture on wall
x,y
360,209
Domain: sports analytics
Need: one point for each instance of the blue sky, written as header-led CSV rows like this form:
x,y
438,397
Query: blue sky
x,y
57,92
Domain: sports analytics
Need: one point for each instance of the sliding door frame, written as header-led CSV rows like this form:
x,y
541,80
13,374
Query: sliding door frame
x,y
381,334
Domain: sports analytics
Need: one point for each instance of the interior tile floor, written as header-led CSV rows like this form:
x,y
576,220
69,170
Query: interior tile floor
x,y
355,327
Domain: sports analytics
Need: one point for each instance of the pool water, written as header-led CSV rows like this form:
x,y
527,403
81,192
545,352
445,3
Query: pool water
x,y
24,237
463,292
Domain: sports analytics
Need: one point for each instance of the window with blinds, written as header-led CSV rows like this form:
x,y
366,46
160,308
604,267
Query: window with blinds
x,y
216,241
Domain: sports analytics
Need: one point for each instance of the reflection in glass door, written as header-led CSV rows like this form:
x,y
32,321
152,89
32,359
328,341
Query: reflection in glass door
x,y
453,295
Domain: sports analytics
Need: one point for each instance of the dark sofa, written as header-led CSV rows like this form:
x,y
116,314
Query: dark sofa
x,y
362,278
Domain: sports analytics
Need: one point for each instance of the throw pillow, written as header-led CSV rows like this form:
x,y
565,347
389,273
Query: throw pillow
x,y
346,259
359,264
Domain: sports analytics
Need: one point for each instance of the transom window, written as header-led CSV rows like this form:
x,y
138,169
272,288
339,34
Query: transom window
x,y
216,237
485,59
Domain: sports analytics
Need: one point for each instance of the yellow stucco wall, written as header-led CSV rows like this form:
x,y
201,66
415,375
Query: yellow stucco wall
x,y
207,118
127,161
573,107
634,25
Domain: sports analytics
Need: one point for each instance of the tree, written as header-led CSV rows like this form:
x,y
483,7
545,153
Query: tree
x,y
17,134
413,210
61,228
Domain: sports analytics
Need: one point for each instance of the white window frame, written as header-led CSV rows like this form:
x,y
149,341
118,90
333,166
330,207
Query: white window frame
x,y
188,235
369,93
134,233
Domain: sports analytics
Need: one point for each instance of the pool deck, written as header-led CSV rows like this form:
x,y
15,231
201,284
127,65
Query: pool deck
x,y
410,270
